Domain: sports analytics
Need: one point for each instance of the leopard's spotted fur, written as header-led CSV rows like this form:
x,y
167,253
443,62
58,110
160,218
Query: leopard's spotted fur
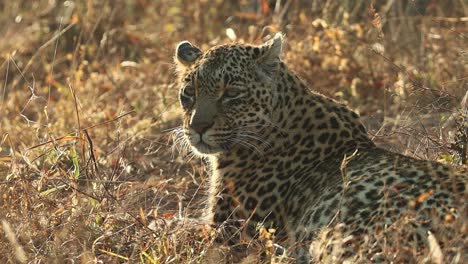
x,y
289,158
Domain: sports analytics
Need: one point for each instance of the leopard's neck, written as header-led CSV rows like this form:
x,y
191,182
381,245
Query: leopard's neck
x,y
308,131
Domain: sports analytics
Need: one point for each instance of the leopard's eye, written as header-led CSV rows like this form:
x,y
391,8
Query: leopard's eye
x,y
188,91
233,93
187,96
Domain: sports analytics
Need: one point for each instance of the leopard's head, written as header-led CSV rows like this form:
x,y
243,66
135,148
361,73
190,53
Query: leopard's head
x,y
226,93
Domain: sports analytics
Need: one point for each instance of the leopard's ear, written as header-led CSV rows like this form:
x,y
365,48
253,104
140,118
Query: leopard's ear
x,y
186,54
270,52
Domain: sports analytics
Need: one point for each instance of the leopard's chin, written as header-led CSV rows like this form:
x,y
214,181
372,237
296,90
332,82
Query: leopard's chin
x,y
203,148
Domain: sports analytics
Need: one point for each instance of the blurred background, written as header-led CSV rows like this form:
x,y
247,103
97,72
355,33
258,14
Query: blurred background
x,y
88,107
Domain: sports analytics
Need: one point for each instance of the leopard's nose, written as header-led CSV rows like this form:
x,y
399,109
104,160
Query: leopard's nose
x,y
201,127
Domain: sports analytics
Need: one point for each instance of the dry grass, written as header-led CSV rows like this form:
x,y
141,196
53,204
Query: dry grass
x,y
87,168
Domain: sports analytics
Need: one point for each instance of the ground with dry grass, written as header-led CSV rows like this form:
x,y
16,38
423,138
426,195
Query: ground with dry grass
x,y
88,171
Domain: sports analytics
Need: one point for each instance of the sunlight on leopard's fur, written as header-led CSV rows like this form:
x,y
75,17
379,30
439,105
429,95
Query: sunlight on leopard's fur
x,y
289,158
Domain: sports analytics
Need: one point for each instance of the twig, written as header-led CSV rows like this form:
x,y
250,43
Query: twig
x,y
77,137
45,45
91,150
108,121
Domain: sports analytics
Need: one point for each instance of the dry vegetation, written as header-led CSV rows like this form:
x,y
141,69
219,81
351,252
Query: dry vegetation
x,y
87,168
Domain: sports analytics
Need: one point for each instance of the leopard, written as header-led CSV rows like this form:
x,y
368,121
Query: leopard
x,y
287,158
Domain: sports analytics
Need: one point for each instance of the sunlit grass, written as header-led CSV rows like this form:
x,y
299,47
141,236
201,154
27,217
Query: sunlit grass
x,y
87,106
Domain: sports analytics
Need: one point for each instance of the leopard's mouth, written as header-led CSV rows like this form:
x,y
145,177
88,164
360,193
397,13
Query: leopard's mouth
x,y
205,148
206,144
